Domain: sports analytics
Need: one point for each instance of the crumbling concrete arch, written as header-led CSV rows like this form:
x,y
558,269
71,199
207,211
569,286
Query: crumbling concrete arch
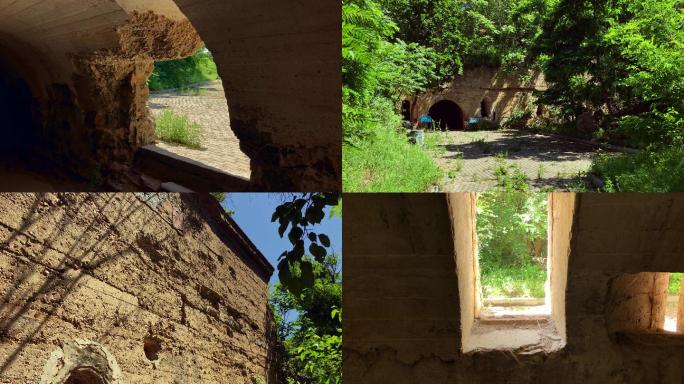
x,y
279,63
81,362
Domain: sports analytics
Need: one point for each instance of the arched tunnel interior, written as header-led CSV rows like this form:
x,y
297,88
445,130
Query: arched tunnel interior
x,y
75,113
447,115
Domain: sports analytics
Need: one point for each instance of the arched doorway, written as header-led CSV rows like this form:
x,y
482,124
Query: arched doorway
x,y
448,115
485,107
406,110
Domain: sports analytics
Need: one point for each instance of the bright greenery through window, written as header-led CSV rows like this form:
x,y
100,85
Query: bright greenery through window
x,y
512,244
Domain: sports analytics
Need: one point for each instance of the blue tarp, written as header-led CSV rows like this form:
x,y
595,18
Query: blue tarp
x,y
425,119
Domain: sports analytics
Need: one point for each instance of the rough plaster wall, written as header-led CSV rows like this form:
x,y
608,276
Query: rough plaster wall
x,y
280,63
651,225
506,93
562,213
637,302
461,208
118,269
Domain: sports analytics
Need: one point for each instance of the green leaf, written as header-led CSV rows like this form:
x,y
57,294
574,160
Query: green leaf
x,y
317,251
295,234
312,236
325,240
282,228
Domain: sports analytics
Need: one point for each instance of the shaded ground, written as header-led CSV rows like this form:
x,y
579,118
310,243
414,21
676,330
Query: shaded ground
x,y
29,174
209,109
469,159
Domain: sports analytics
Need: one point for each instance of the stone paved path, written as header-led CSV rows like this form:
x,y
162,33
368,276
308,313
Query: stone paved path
x,y
209,109
548,162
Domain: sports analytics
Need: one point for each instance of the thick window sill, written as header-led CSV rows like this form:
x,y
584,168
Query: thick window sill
x,y
523,335
650,338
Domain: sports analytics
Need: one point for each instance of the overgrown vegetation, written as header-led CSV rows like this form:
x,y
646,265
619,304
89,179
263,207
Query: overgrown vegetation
x,y
615,71
377,70
182,73
312,341
675,285
512,236
308,300
173,128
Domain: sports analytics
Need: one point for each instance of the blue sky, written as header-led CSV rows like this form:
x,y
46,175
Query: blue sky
x,y
253,214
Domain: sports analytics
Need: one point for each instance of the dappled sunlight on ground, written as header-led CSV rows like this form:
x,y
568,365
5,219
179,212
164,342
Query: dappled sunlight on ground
x,y
470,158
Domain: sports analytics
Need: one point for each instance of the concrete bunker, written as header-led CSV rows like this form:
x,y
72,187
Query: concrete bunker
x,y
407,320
87,69
447,115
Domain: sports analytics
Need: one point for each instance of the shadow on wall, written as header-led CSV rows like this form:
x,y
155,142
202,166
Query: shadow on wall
x,y
66,273
64,243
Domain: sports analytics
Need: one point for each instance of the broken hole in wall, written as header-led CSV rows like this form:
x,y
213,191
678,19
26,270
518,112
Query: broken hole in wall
x,y
152,347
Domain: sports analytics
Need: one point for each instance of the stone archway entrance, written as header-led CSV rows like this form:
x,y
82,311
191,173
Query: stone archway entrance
x,y
448,115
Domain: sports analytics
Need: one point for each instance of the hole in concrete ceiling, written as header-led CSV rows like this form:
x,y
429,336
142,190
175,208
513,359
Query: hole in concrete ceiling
x,y
152,346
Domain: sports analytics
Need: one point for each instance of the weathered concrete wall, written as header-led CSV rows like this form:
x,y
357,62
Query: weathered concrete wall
x,y
504,93
137,288
87,63
402,314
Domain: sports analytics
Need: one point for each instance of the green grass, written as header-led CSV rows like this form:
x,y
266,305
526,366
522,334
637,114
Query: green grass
x,y
651,171
173,128
389,163
508,281
675,285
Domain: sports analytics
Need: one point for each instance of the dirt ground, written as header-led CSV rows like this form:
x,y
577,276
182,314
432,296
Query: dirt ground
x,y
469,159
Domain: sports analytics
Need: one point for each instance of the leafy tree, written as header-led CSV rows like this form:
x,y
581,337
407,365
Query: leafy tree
x,y
511,235
313,341
298,215
184,72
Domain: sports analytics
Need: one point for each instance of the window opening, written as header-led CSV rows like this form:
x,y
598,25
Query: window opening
x,y
673,306
512,254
